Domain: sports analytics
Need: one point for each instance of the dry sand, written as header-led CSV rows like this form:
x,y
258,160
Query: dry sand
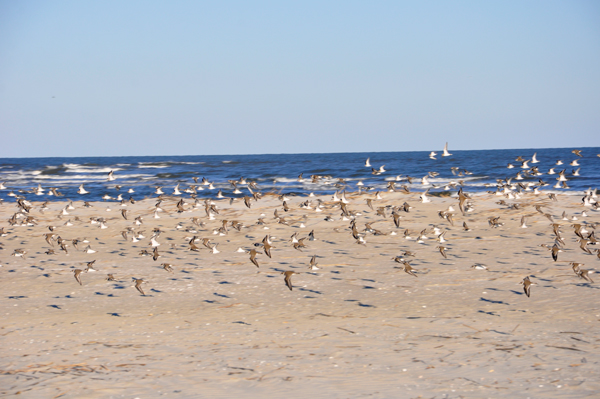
x,y
360,326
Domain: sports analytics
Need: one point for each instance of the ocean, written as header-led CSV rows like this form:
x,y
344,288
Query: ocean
x,y
476,171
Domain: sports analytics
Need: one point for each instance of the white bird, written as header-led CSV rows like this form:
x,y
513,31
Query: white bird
x,y
446,153
82,190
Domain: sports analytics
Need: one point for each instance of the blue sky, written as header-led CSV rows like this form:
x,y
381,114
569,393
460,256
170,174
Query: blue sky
x,y
103,78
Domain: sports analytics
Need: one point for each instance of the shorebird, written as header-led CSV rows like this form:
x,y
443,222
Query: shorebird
x,y
19,253
76,274
408,269
523,225
90,267
313,263
267,245
582,273
555,250
138,285
527,285
442,250
288,278
253,252
82,190
479,266
167,267
367,163
155,254
111,176
432,155
110,277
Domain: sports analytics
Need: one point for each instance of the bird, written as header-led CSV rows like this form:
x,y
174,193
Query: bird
x,y
253,252
442,251
288,278
167,267
76,274
527,286
90,266
313,263
138,285
555,250
584,275
155,254
82,190
110,277
479,266
267,246
408,269
445,152
432,155
523,225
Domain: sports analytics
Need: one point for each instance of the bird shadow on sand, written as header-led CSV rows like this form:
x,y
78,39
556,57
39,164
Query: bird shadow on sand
x,y
488,313
309,290
492,301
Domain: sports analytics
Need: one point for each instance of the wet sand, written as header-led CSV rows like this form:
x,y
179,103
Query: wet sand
x,y
359,326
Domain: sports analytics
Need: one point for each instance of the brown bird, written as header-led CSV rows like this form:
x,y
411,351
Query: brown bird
x,y
253,252
90,266
167,267
138,285
442,251
408,269
155,254
584,275
267,246
313,263
76,274
110,277
288,278
527,285
555,250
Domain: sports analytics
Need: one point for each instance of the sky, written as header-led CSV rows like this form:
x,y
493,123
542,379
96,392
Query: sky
x,y
119,78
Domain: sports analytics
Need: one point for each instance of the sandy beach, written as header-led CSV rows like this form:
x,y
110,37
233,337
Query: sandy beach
x,y
358,326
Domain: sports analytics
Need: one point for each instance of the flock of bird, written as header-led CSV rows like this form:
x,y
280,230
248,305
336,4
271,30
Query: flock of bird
x,y
515,187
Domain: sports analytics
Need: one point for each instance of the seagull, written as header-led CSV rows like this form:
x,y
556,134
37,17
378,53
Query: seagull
x,y
446,153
